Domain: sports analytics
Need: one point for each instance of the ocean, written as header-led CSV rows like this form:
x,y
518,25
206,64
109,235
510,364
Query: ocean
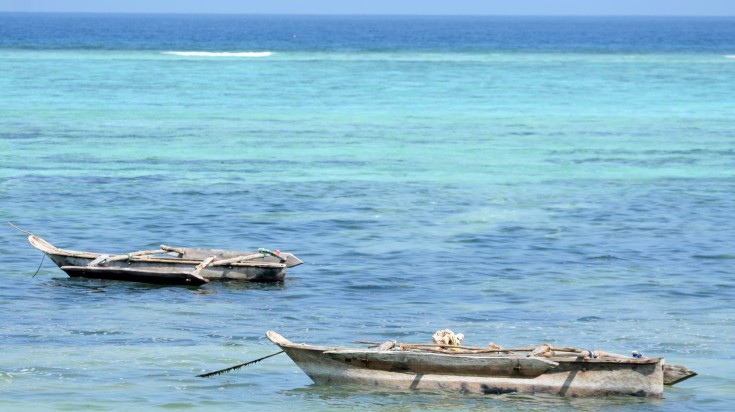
x,y
521,180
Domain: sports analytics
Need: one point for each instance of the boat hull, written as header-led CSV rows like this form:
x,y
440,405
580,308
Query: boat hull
x,y
135,275
569,378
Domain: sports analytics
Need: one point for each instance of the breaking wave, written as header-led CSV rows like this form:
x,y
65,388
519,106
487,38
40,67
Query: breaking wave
x,y
218,54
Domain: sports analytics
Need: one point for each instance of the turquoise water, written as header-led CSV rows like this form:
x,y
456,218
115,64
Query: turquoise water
x,y
522,189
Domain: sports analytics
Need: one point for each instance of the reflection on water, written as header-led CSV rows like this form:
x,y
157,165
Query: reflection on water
x,y
374,398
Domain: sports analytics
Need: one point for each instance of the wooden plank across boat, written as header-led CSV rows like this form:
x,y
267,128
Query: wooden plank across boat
x,y
573,374
171,265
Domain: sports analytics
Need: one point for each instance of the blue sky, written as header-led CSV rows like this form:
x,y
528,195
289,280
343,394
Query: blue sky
x,y
462,7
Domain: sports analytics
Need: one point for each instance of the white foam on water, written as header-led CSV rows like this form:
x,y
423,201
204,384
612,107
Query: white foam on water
x,y
218,54
730,56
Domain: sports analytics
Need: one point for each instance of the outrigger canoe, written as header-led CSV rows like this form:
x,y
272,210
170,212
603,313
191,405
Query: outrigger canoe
x,y
171,265
561,371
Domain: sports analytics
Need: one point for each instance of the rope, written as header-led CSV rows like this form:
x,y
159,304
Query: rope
x,y
39,266
16,227
29,233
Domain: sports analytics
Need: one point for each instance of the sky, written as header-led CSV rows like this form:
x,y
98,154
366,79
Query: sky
x,y
415,7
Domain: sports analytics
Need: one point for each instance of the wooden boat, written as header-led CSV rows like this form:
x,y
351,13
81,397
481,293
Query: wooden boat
x,y
171,265
567,372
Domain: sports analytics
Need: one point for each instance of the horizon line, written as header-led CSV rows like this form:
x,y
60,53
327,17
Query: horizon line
x,y
358,14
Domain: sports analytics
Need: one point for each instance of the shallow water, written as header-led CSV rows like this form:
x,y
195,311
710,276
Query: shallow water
x,y
577,192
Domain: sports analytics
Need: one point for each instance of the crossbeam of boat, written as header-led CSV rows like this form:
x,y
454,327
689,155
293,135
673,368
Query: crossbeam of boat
x,y
225,262
277,255
535,351
241,259
147,256
457,348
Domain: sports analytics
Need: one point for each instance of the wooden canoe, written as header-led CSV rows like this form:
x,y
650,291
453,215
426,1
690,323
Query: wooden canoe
x,y
169,265
483,373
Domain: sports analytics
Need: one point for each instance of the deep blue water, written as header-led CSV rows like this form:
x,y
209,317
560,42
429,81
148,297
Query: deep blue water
x,y
369,33
519,180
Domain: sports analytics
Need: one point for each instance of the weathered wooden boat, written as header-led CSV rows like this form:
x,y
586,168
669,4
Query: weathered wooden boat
x,y
171,265
565,371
